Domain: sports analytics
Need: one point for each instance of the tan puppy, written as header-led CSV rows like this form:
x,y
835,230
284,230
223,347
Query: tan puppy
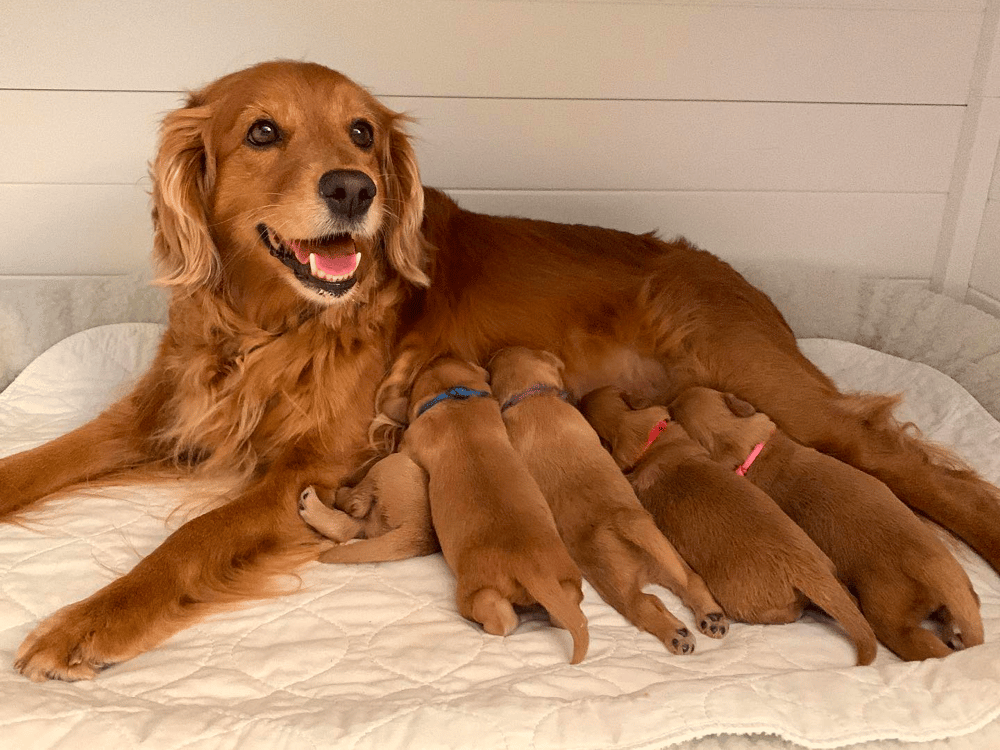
x,y
495,528
758,563
608,533
387,512
901,572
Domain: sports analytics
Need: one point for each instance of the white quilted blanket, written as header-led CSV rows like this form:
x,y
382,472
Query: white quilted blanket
x,y
376,656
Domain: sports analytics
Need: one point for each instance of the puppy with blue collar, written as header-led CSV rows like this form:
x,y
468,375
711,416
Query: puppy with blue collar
x,y
491,520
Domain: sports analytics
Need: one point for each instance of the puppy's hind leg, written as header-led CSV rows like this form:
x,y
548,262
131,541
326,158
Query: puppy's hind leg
x,y
492,611
399,544
669,570
331,523
908,640
618,576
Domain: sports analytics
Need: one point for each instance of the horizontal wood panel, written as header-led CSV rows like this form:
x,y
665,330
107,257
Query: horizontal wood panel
x,y
81,229
850,52
108,138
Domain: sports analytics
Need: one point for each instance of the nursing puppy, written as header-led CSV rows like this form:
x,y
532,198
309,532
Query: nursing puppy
x,y
387,512
760,566
608,533
482,499
900,571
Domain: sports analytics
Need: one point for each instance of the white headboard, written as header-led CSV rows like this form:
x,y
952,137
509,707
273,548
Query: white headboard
x,y
854,135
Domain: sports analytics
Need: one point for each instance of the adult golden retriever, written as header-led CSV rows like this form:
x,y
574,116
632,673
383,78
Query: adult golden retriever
x,y
302,253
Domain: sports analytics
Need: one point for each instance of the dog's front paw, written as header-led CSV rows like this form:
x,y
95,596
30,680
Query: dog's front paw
x,y
62,649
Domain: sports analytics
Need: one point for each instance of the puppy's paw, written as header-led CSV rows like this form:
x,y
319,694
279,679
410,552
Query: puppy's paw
x,y
681,642
309,504
329,522
493,612
714,624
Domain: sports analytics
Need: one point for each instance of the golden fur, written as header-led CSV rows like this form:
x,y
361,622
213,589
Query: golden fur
x,y
759,565
495,529
263,378
901,573
610,536
388,510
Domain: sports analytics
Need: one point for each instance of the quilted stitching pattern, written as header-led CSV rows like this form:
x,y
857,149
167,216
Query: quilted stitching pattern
x,y
376,656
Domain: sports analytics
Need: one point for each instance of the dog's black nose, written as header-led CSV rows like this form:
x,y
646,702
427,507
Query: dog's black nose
x,y
347,192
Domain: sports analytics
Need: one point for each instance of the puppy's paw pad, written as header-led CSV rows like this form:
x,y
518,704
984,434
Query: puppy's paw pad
x,y
308,498
681,643
714,625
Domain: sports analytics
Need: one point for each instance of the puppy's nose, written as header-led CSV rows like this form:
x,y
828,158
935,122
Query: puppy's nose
x,y
347,192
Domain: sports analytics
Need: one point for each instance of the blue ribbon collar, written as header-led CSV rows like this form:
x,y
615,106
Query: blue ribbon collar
x,y
458,392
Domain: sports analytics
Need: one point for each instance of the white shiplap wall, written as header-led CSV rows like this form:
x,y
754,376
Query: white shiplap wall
x,y
823,132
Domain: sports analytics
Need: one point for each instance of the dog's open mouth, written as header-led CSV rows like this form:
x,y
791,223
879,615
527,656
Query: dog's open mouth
x,y
325,264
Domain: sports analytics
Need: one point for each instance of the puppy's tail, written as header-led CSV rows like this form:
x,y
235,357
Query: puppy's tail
x,y
642,531
829,594
562,600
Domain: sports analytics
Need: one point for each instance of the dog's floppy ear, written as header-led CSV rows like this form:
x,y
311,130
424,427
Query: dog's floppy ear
x,y
397,409
554,361
404,242
738,406
183,175
479,370
636,402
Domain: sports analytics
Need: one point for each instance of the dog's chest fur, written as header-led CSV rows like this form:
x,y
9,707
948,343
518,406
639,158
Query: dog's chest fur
x,y
240,399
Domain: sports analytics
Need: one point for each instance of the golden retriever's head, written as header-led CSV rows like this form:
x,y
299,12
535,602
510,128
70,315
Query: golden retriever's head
x,y
286,176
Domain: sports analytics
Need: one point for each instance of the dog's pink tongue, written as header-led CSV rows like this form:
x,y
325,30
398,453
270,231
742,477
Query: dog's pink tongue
x,y
334,258
340,265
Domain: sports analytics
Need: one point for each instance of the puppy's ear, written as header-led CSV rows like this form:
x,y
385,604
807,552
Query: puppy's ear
x,y
554,361
738,406
482,371
405,244
183,176
396,409
635,402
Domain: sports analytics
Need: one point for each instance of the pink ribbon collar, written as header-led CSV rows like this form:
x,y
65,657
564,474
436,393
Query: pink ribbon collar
x,y
744,467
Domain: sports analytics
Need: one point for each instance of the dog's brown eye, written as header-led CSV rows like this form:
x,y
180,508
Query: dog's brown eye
x,y
362,134
263,133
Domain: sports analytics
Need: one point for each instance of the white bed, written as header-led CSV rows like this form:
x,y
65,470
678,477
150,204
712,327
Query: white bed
x,y
375,656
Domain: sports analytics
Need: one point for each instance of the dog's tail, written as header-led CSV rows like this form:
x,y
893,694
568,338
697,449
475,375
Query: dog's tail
x,y
640,529
562,600
829,594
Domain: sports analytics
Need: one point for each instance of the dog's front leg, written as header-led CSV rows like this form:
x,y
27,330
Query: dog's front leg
x,y
108,443
224,556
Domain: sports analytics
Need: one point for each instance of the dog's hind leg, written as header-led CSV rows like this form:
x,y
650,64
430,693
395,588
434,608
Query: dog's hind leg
x,y
668,569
